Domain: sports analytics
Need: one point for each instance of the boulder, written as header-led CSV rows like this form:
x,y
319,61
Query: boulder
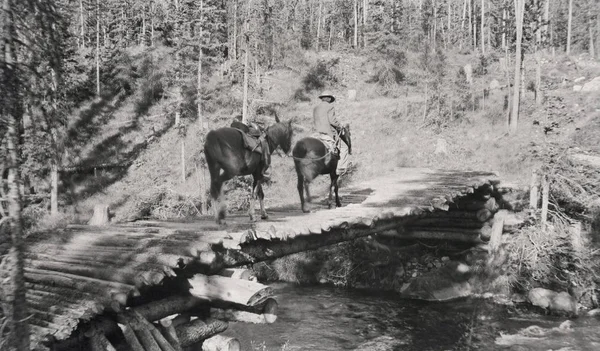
x,y
593,85
577,87
579,79
447,283
559,302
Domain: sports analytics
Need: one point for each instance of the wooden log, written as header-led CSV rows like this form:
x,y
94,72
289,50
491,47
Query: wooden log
x,y
197,330
226,289
545,200
131,338
466,231
483,215
140,329
156,334
486,231
99,342
433,235
239,273
181,318
446,223
221,343
267,313
100,216
480,215
167,329
160,309
497,229
469,204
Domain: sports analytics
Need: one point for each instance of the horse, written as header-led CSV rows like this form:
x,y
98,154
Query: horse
x,y
227,157
312,158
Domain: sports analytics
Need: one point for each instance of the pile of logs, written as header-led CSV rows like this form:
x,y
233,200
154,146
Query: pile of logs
x,y
472,219
185,321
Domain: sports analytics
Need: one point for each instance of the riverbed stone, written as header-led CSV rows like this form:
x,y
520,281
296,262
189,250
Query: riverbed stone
x,y
559,302
447,283
593,85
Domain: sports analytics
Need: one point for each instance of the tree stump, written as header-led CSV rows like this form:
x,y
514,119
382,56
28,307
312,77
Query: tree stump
x,y
100,216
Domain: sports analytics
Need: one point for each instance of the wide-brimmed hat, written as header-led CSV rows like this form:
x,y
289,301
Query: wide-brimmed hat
x,y
327,93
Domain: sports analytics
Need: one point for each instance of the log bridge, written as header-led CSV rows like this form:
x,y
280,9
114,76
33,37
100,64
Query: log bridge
x,y
167,286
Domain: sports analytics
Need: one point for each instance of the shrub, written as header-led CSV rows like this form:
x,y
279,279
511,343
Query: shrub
x,y
320,75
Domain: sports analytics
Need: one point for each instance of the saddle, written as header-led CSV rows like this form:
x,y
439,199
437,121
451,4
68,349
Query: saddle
x,y
330,143
250,136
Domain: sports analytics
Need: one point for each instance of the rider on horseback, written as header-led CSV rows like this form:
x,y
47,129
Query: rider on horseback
x,y
327,126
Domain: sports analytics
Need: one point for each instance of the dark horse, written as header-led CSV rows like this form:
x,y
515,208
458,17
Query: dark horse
x,y
311,158
227,157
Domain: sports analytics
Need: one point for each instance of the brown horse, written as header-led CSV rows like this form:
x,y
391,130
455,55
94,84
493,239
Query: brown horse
x,y
227,157
311,158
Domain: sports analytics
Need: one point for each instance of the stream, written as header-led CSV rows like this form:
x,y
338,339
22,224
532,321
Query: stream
x,y
326,318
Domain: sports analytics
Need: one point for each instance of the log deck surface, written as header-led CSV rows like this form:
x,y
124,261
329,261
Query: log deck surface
x,y
75,275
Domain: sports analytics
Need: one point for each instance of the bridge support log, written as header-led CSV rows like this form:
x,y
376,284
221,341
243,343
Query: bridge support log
x,y
267,313
242,292
197,330
434,235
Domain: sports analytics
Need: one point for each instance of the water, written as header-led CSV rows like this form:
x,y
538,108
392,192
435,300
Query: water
x,y
324,318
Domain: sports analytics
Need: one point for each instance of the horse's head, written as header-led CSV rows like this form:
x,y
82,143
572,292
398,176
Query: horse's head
x,y
345,135
280,134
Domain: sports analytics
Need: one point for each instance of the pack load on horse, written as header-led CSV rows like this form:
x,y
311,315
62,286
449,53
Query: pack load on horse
x,y
231,152
255,140
322,153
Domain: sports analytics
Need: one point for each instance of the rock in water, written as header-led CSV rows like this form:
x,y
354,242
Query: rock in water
x,y
100,216
553,301
447,283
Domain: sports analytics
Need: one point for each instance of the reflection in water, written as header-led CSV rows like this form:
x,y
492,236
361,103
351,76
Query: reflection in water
x,y
323,318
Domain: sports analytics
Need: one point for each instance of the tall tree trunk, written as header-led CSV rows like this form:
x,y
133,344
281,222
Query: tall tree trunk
x,y
8,75
569,27
330,35
235,37
538,59
97,47
504,28
143,39
199,74
364,24
482,26
592,50
54,188
519,9
319,18
449,29
471,34
82,24
152,24
355,42
545,34
433,37
246,64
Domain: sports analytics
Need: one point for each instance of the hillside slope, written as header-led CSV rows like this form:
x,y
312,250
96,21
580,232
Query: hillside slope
x,y
387,131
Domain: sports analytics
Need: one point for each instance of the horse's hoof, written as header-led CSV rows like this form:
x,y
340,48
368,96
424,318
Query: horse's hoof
x,y
305,210
264,216
339,204
329,206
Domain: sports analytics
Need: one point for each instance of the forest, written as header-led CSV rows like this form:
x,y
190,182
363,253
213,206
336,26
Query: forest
x,y
177,68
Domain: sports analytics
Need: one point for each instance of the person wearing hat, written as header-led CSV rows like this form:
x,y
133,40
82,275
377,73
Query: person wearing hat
x,y
327,125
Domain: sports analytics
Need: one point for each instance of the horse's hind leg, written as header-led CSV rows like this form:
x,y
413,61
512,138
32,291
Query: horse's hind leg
x,y
261,197
216,189
253,192
307,190
333,187
302,184
336,182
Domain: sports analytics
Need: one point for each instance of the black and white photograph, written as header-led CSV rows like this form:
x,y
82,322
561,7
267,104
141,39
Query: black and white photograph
x,y
300,175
